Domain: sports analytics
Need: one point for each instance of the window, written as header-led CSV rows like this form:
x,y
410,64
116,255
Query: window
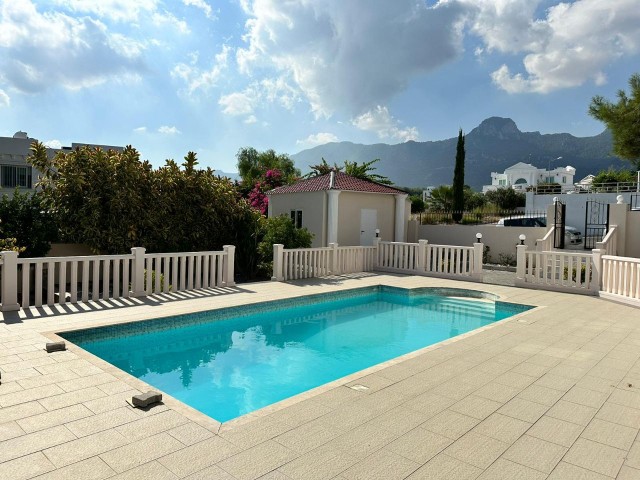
x,y
296,218
550,180
12,176
564,179
502,182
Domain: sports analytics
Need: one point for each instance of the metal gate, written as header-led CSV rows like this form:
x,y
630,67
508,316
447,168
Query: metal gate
x,y
558,223
596,223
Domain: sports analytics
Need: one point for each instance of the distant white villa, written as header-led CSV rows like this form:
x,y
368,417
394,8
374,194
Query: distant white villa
x,y
522,175
426,193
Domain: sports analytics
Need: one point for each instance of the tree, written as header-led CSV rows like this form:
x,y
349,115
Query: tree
x,y
322,168
417,204
253,165
506,198
623,120
24,219
458,179
365,171
441,198
280,229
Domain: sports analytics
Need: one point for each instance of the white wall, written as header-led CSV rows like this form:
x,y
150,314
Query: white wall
x,y
575,202
499,239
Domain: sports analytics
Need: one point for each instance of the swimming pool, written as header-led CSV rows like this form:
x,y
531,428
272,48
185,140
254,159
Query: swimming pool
x,y
233,361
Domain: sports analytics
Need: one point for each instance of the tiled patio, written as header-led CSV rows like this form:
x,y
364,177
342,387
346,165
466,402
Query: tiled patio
x,y
551,394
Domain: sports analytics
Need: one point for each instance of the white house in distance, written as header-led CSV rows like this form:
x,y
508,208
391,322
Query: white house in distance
x,y
522,175
339,208
15,172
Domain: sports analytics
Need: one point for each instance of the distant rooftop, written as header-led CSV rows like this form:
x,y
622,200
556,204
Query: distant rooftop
x,y
342,181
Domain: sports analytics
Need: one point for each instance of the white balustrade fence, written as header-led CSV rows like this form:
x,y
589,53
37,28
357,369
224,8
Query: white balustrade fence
x,y
413,258
609,244
298,263
35,282
621,278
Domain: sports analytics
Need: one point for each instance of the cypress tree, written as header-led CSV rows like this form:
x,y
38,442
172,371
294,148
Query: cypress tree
x,y
458,180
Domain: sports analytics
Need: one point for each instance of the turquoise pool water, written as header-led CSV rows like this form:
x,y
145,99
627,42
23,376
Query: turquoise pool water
x,y
230,362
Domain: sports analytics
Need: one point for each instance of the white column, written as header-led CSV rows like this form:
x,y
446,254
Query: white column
x,y
521,261
10,281
137,272
229,264
478,249
332,216
278,252
400,217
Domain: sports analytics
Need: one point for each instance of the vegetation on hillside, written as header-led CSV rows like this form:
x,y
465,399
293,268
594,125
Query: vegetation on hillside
x,y
623,120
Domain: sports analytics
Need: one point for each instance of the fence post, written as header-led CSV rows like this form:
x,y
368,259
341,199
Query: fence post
x,y
10,281
278,253
422,252
137,272
521,261
334,258
230,260
478,248
376,252
596,284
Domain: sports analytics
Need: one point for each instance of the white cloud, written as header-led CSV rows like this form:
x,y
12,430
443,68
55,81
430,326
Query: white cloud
x,y
238,103
40,50
349,56
202,5
5,101
140,130
318,139
572,43
117,10
53,144
251,119
197,79
162,19
167,130
380,121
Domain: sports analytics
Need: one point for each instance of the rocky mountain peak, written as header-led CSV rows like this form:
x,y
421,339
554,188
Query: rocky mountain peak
x,y
497,127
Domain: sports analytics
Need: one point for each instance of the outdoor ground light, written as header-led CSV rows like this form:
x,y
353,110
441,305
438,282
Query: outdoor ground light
x,y
522,238
377,232
478,237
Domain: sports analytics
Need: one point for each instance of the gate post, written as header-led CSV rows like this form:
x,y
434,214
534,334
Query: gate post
x,y
376,252
229,264
137,272
521,261
278,252
10,281
478,249
422,255
596,283
334,258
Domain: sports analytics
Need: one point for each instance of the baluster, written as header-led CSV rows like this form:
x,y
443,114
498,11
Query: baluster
x,y
116,278
51,278
26,274
38,284
106,264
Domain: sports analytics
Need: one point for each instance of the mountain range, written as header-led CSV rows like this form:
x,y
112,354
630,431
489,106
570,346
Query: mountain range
x,y
492,146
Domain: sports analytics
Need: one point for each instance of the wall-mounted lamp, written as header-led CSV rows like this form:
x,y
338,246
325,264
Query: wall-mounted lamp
x,y
478,237
377,232
522,238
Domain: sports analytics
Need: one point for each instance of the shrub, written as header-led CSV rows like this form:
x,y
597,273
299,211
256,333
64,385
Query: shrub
x,y
279,229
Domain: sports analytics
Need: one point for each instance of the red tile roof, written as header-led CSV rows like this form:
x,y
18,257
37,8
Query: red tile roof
x,y
342,181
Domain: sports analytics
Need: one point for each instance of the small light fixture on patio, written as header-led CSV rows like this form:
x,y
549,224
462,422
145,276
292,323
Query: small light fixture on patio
x,y
377,232
478,237
522,238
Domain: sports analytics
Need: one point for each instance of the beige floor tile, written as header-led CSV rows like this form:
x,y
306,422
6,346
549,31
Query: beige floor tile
x,y
105,403
34,442
91,469
611,412
307,437
216,473
42,380
595,457
429,403
85,382
566,471
555,431
450,424
497,392
83,448
300,413
610,434
25,467
477,450
556,382
503,469
501,427
363,440
444,467
151,470
628,473
71,398
54,418
598,384
535,453
382,465
138,453
114,387
258,460
530,370
10,430
539,394
319,464
103,421
476,407
190,433
24,396
583,396
419,445
572,412
198,456
628,398
22,410
522,409
633,457
261,430
150,425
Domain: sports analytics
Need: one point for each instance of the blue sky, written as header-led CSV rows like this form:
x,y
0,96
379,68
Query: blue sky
x,y
213,76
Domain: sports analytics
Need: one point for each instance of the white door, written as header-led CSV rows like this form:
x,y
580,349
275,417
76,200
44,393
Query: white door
x,y
368,225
